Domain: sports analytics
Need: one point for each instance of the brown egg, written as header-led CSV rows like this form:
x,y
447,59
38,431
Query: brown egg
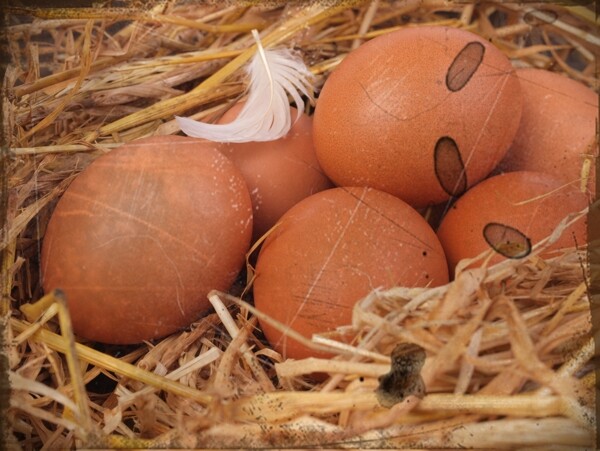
x,y
422,113
278,173
557,134
332,249
143,234
510,213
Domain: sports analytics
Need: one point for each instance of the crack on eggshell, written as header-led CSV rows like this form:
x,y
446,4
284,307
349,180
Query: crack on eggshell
x,y
402,119
384,216
327,260
138,220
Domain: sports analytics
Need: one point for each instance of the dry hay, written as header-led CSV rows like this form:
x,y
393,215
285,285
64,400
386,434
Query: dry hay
x,y
509,347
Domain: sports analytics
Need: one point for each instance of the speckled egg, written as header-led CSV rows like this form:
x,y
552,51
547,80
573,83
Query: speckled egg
x,y
332,249
143,234
422,113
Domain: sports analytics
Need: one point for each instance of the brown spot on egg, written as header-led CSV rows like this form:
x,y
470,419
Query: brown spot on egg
x,y
449,167
464,65
506,240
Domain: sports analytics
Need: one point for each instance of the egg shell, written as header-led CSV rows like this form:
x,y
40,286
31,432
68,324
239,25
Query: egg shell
x,y
408,112
531,203
143,234
278,173
557,129
332,249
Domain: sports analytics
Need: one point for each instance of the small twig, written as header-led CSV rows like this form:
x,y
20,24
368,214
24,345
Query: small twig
x,y
293,368
233,330
283,406
66,148
222,382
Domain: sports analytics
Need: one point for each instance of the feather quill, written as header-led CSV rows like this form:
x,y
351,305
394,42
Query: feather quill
x,y
266,114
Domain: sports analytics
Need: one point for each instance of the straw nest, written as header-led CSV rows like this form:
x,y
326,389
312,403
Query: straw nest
x,y
508,347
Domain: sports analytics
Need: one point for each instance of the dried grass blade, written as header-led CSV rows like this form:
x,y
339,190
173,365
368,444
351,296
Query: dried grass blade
x,y
66,148
86,57
45,415
273,322
173,352
277,407
524,350
132,14
28,213
346,349
18,382
293,368
222,382
302,433
589,38
466,368
196,57
282,406
58,77
57,343
515,405
196,364
83,413
380,32
460,293
540,434
565,307
366,22
175,105
223,28
233,330
533,49
584,13
447,356
43,319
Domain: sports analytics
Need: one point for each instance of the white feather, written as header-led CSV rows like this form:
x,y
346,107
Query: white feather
x,y
266,114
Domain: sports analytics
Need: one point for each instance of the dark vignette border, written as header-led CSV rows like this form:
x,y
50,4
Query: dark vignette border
x,y
4,156
593,254
593,251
